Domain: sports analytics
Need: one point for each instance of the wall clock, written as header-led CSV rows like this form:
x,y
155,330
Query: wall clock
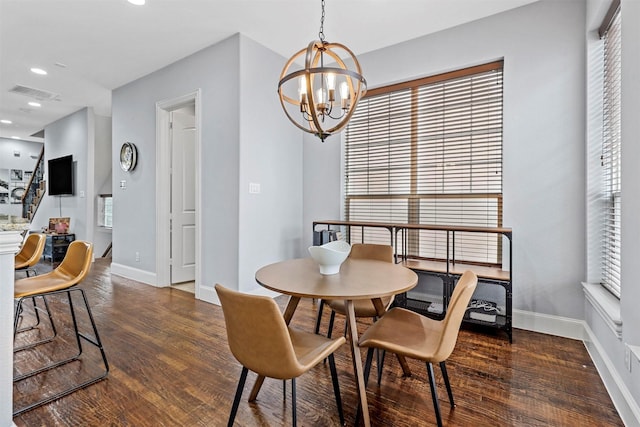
x,y
128,156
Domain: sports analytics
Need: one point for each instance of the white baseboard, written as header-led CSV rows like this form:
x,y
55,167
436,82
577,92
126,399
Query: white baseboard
x,y
134,274
620,395
548,324
577,329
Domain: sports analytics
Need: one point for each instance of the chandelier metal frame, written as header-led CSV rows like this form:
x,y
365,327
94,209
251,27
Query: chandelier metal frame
x,y
315,108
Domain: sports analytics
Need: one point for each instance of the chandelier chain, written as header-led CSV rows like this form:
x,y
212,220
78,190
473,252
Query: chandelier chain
x,y
321,33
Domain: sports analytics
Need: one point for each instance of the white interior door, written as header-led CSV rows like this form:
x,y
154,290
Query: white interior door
x,y
183,197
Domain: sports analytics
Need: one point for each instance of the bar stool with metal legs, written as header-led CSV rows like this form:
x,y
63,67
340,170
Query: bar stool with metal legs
x,y
25,260
30,253
63,280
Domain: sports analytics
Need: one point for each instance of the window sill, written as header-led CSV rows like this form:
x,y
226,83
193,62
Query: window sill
x,y
605,304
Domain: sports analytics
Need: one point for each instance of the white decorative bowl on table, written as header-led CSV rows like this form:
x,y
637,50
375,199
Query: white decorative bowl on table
x,y
330,256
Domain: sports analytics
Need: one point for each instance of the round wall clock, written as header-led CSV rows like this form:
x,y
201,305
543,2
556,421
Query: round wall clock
x,y
128,156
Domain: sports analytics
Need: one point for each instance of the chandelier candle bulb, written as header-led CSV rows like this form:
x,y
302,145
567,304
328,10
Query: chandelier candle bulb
x,y
344,94
302,87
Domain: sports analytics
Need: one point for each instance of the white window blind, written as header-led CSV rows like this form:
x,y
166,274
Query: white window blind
x,y
429,151
611,141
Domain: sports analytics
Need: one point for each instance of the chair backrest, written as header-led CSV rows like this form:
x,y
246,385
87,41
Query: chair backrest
x,y
258,335
77,261
455,312
371,251
31,251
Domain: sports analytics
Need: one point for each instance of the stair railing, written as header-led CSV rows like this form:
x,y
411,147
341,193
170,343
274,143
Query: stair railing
x,y
35,190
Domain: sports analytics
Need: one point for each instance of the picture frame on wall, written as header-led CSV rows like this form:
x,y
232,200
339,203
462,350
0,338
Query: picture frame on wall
x,y
16,174
17,191
4,179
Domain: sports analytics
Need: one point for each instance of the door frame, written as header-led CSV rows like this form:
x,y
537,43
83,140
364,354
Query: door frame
x,y
163,181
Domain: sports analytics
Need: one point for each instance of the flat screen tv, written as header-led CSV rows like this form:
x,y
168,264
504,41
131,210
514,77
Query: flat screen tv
x,y
61,176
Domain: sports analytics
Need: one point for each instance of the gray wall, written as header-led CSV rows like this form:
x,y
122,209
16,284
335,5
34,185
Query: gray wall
x,y
544,191
102,179
215,71
9,161
602,339
631,183
245,138
74,135
270,227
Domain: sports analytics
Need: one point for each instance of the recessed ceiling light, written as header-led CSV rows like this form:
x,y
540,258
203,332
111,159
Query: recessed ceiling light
x,y
6,122
15,137
137,2
35,104
39,71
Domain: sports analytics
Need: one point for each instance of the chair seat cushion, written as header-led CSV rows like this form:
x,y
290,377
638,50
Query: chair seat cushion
x,y
311,348
362,307
21,263
49,282
406,333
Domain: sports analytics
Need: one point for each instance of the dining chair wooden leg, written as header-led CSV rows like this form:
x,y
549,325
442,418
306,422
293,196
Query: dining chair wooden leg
x,y
367,371
445,376
336,387
434,393
293,402
236,399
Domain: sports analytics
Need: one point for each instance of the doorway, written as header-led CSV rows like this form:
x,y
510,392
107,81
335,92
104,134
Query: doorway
x,y
178,192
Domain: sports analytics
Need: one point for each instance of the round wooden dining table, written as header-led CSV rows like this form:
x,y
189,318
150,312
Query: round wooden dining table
x,y
357,279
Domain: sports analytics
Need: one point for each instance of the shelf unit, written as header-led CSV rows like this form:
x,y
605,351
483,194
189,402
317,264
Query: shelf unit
x,y
56,245
448,268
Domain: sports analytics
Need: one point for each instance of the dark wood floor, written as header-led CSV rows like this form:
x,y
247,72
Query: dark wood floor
x,y
170,366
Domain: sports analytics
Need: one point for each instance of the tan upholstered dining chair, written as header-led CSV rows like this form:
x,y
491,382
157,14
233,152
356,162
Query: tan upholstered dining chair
x,y
30,253
412,335
63,280
262,342
362,308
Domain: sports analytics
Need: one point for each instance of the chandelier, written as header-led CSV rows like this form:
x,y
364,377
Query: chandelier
x,y
309,96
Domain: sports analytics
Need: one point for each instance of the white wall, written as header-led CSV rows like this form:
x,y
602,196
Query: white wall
x,y
102,180
245,138
73,134
631,183
544,128
607,349
215,71
23,162
323,185
270,155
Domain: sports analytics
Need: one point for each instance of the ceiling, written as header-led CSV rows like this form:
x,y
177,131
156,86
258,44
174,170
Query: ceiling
x,y
90,47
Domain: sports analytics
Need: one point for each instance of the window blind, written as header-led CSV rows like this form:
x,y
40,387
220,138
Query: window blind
x,y
611,142
429,151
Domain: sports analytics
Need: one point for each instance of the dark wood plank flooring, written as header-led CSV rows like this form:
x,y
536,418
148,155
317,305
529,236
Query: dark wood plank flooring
x,y
170,366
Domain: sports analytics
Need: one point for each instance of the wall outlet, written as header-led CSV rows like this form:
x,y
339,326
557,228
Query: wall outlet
x,y
254,188
627,357
137,256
